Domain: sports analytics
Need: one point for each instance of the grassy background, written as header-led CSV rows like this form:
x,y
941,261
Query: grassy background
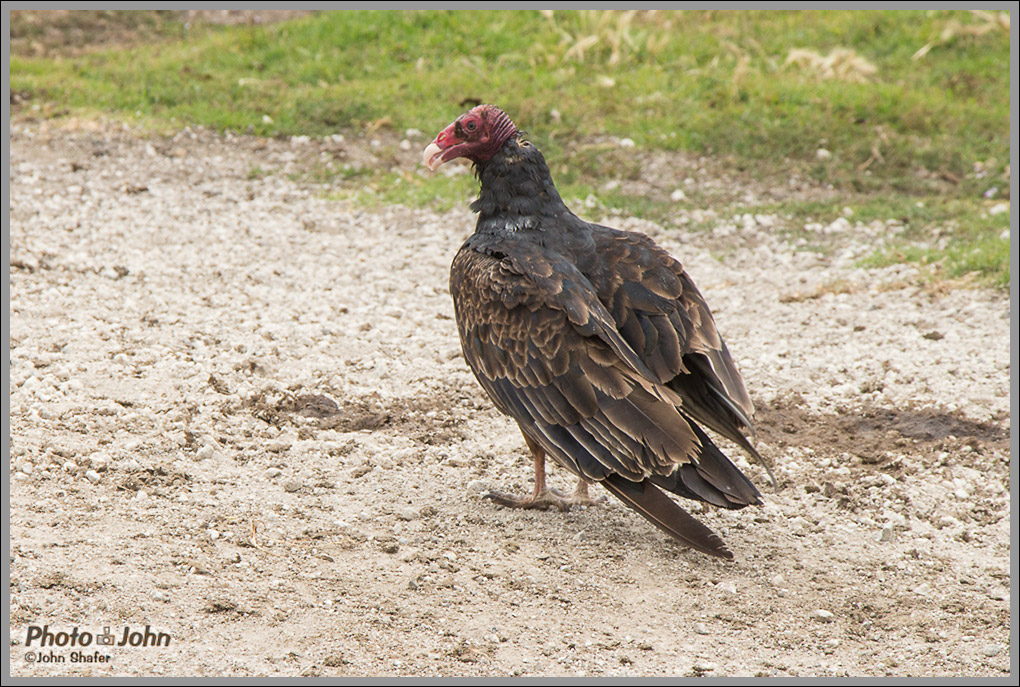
x,y
912,105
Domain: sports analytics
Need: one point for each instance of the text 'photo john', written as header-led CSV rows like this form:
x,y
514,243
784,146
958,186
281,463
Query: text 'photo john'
x,y
129,637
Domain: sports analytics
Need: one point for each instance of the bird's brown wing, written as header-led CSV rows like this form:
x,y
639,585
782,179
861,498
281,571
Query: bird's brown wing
x,y
549,354
665,320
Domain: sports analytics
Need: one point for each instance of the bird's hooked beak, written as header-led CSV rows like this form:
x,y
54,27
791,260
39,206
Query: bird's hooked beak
x,y
432,157
442,149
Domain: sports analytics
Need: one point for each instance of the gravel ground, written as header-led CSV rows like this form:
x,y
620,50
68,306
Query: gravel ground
x,y
239,415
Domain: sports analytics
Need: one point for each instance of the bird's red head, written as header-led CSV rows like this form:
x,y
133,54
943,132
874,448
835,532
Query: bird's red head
x,y
475,135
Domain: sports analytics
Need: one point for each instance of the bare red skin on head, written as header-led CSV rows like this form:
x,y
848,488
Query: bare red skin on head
x,y
476,135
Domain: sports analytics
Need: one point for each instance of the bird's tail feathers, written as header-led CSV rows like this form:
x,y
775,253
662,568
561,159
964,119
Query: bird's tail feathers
x,y
660,510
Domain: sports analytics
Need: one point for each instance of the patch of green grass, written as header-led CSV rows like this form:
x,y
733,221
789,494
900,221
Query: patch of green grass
x,y
984,258
906,103
955,237
710,82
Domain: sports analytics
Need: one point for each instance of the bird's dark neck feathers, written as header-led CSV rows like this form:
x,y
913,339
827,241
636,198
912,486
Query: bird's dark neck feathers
x,y
517,192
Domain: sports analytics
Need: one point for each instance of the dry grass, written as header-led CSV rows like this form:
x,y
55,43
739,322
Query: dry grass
x,y
840,64
987,22
607,37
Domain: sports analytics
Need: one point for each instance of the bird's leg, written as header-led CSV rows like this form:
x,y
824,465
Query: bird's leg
x,y
581,496
544,497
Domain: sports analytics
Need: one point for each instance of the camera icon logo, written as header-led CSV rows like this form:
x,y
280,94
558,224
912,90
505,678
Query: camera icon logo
x,y
105,639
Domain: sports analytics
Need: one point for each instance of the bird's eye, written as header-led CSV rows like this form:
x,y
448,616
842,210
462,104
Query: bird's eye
x,y
470,126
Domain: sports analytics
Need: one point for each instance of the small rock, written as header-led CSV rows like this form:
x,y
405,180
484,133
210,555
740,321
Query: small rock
x,y
476,486
700,629
407,514
778,580
627,143
270,473
293,485
990,650
728,586
92,476
677,195
702,667
886,534
823,615
205,452
160,595
390,547
361,471
823,154
998,209
405,144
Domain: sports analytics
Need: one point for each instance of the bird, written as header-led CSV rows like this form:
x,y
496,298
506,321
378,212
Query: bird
x,y
595,340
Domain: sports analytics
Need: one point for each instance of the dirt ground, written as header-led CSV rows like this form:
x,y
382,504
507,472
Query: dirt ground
x,y
239,416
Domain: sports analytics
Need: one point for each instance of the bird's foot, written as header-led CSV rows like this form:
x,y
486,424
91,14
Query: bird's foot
x,y
547,498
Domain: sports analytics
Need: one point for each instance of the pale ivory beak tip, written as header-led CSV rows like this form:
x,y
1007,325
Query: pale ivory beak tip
x,y
431,157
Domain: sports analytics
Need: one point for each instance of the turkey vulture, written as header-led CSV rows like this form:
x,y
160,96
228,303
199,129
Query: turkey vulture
x,y
594,340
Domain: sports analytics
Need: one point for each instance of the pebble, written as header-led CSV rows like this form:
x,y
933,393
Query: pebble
x,y
728,586
205,452
886,534
292,486
823,615
823,154
407,513
677,195
476,486
160,595
700,629
92,476
270,473
990,650
704,667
